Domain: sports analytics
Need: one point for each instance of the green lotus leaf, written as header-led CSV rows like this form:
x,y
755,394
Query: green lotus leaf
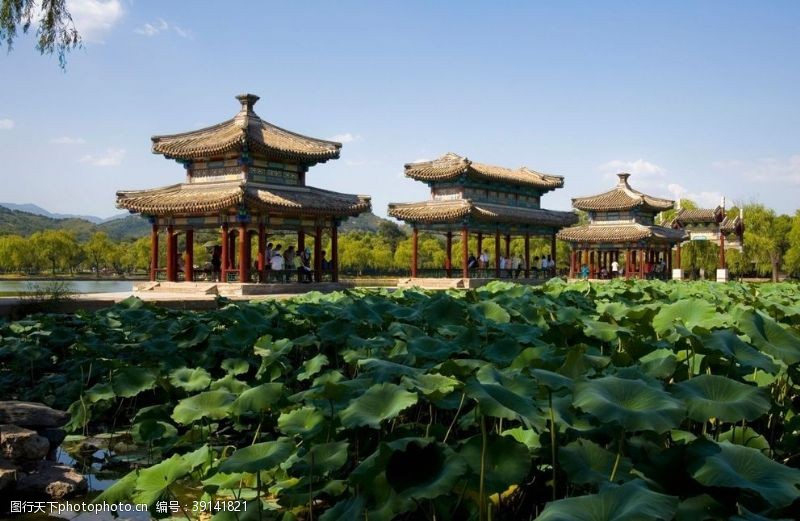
x,y
99,392
432,384
305,421
711,396
442,310
153,482
701,508
214,405
507,462
768,335
491,310
432,348
629,502
528,437
229,383
747,437
235,366
602,330
149,431
258,399
499,402
384,370
728,343
424,470
734,466
586,462
130,381
634,404
312,367
348,510
191,380
660,363
120,492
322,458
380,402
258,457
551,380
689,312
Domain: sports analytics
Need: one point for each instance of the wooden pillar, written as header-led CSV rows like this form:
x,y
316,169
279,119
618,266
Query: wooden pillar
x,y
448,255
508,247
262,246
301,240
628,263
225,253
480,244
154,252
572,255
464,252
527,255
232,250
642,263
244,262
414,246
553,248
335,251
497,253
721,250
171,258
668,255
318,254
188,268
678,257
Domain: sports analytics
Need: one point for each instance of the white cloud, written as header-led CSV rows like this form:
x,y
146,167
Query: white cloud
x,y
346,138
639,166
95,18
161,25
112,157
726,164
6,124
66,140
771,170
702,199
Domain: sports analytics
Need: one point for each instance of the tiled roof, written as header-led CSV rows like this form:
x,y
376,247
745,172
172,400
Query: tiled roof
x,y
246,131
619,233
697,215
429,212
451,166
729,225
621,197
193,199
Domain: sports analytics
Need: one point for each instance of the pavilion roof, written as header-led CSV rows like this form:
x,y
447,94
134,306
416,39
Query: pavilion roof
x,y
614,233
451,166
729,225
454,210
621,197
246,132
697,215
199,198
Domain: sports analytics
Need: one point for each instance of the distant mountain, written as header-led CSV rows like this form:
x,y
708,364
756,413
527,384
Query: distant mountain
x,y
366,222
38,210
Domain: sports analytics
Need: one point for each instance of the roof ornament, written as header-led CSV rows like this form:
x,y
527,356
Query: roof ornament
x,y
242,119
722,203
623,179
741,213
678,204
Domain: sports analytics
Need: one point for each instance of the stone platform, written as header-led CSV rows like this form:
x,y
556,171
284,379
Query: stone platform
x,y
459,283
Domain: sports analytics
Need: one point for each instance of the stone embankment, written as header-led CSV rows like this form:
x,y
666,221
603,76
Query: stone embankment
x,y
30,433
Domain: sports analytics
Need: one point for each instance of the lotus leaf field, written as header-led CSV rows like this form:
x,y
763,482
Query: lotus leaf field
x,y
618,401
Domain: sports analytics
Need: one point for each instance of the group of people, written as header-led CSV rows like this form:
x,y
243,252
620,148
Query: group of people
x,y
278,263
652,270
513,266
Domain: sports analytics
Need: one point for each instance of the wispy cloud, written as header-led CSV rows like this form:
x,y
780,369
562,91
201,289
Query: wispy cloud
x,y
347,137
161,25
66,140
772,170
95,18
112,157
726,164
702,199
639,166
6,124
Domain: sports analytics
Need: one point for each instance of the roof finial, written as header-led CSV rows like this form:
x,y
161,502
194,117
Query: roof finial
x,y
623,179
247,101
678,204
722,203
741,213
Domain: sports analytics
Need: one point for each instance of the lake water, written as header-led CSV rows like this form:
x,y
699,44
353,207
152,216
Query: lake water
x,y
73,286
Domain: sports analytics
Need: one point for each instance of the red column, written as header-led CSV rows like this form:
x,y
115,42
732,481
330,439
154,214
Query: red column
x,y
414,246
592,268
464,253
678,256
225,252
171,257
527,255
572,264
335,251
301,240
244,262
642,263
497,254
262,246
553,248
317,254
508,247
668,254
448,258
153,252
188,268
628,263
721,250
232,250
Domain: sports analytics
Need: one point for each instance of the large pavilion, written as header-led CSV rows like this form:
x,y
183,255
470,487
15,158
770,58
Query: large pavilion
x,y
244,177
712,224
469,197
621,220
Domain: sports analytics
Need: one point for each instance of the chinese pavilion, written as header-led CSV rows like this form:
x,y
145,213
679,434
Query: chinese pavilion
x,y
469,197
712,225
621,220
245,177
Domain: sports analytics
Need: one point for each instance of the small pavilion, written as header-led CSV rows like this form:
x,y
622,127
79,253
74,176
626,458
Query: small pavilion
x,y
621,220
244,177
712,224
469,197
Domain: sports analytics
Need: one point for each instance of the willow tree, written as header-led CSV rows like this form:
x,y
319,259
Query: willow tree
x,y
55,32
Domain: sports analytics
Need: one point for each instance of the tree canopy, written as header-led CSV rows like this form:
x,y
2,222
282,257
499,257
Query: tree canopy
x,y
55,32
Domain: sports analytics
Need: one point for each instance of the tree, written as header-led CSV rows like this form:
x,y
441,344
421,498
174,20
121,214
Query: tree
x,y
98,249
766,238
55,32
391,232
55,248
792,258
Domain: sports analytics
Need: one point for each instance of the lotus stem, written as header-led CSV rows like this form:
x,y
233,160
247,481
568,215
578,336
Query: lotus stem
x,y
553,442
482,485
619,457
450,428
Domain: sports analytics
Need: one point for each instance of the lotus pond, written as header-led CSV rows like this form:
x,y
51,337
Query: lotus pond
x,y
619,401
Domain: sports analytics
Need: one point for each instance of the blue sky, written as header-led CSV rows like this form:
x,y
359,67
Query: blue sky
x,y
700,99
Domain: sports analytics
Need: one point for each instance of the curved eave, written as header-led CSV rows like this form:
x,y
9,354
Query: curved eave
x,y
178,199
454,211
452,166
612,233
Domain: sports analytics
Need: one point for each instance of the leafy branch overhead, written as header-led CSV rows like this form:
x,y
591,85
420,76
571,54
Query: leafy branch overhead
x,y
55,32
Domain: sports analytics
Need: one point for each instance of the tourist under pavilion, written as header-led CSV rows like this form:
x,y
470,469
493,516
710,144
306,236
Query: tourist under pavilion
x,y
621,221
712,224
244,177
474,198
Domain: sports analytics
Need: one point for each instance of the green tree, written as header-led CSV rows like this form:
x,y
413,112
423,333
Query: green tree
x,y
792,258
391,233
55,32
766,238
55,248
98,249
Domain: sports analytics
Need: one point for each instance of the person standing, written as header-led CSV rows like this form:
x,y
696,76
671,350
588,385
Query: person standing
x,y
277,262
614,269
